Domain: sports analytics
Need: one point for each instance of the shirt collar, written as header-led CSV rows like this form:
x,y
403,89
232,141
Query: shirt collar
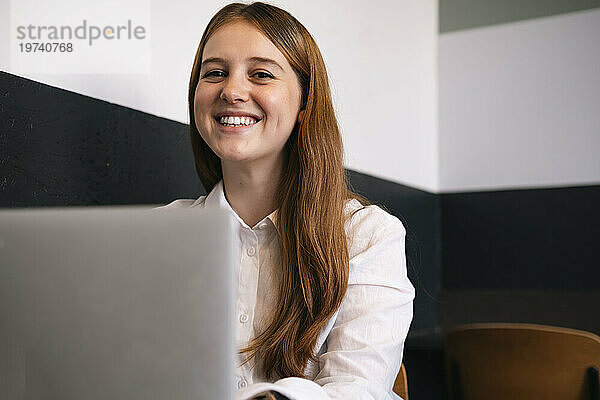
x,y
216,198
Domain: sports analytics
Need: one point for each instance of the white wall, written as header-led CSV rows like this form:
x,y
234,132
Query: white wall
x,y
381,58
520,104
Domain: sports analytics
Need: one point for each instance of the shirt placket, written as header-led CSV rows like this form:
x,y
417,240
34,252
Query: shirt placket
x,y
247,291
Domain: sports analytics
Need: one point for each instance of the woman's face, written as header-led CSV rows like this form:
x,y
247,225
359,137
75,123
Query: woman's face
x,y
248,96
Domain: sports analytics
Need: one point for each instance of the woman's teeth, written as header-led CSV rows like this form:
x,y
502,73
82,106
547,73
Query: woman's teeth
x,y
237,121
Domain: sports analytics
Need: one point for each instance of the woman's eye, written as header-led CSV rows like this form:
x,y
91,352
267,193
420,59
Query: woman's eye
x,y
262,75
214,74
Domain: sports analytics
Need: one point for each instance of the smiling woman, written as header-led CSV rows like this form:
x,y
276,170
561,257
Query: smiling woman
x,y
324,302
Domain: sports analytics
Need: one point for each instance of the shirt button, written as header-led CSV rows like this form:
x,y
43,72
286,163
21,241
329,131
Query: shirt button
x,y
242,383
251,251
243,318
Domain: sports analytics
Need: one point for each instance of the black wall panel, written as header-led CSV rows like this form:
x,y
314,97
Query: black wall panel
x,y
545,239
60,148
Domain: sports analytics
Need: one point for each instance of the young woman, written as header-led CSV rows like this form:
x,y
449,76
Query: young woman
x,y
324,302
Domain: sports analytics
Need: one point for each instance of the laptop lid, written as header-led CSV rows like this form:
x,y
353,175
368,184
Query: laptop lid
x,y
116,303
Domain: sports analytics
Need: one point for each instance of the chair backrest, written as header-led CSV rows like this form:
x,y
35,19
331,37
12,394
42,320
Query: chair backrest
x,y
401,383
521,361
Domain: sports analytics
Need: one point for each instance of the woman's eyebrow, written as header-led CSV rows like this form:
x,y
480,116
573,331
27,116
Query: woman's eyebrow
x,y
212,60
266,61
252,59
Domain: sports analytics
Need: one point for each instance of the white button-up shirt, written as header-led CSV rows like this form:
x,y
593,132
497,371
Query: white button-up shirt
x,y
360,349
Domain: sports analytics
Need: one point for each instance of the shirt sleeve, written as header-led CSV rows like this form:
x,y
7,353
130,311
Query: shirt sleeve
x,y
364,347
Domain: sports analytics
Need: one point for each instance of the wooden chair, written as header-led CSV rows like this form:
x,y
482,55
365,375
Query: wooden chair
x,y
521,361
401,383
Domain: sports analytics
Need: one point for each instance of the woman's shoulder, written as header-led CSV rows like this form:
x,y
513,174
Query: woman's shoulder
x,y
369,219
183,203
370,225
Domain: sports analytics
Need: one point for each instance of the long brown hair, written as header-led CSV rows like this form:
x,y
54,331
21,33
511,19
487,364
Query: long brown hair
x,y
312,194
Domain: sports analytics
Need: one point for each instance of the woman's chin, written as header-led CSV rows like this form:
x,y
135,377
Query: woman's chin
x,y
236,156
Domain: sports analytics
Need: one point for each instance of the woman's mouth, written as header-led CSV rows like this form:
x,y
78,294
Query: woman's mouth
x,y
236,121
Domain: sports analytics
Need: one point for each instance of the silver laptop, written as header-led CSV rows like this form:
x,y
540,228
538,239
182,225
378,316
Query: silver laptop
x,y
116,303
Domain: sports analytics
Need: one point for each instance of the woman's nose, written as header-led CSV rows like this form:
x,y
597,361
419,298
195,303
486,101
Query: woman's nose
x,y
234,90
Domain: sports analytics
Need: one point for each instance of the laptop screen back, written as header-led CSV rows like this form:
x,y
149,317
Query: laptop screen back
x,y
116,303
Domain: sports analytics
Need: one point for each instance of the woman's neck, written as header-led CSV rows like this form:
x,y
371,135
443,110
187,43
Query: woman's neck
x,y
251,191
